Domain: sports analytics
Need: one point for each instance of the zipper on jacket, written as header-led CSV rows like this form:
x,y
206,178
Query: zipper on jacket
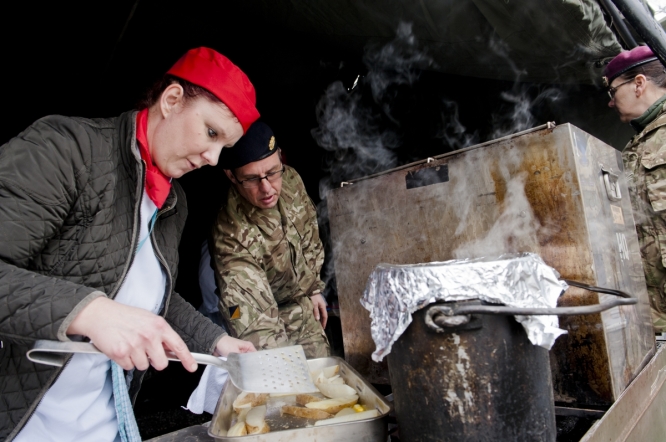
x,y
135,229
163,263
162,260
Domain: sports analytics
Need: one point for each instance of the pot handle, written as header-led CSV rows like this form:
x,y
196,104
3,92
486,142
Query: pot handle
x,y
455,314
441,319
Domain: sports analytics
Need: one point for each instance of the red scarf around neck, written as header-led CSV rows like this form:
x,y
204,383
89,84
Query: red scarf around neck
x,y
158,185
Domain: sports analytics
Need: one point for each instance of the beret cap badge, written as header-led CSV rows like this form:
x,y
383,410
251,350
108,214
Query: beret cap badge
x,y
258,143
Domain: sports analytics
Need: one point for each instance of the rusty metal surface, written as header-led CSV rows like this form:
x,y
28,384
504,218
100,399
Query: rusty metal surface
x,y
482,382
639,414
580,359
577,229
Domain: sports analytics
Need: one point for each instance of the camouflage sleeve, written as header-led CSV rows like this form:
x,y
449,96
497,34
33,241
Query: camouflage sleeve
x,y
651,196
656,189
654,162
313,249
246,300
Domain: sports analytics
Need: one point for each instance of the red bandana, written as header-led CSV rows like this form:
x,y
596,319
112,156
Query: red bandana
x,y
158,185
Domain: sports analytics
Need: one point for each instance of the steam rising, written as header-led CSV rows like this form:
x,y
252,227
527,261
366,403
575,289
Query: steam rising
x,y
350,131
453,133
514,231
516,115
519,116
356,144
394,64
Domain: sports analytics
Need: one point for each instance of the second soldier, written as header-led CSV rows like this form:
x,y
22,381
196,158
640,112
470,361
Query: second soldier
x,y
267,251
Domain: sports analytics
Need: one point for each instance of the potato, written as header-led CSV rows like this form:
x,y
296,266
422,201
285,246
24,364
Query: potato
x,y
275,395
238,429
242,407
328,372
334,405
302,399
256,416
242,414
321,379
249,400
307,413
345,411
336,390
336,380
255,421
331,371
259,430
348,418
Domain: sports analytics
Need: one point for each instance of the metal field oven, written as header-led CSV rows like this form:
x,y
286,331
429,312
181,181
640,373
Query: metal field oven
x,y
555,191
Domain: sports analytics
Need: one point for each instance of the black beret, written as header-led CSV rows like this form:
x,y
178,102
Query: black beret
x,y
257,144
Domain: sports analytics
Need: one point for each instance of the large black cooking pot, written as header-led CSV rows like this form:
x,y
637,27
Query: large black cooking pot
x,y
466,371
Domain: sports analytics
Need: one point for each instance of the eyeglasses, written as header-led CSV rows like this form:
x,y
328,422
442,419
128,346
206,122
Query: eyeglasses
x,y
271,177
612,90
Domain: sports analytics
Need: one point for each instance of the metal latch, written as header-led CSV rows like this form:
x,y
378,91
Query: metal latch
x,y
612,184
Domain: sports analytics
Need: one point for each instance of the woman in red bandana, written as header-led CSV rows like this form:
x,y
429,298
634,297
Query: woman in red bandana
x,y
90,221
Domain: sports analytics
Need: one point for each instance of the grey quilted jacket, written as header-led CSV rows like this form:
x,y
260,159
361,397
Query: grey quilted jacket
x,y
70,196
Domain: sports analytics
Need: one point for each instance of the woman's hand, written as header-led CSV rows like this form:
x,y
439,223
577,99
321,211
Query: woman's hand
x,y
130,336
228,345
320,313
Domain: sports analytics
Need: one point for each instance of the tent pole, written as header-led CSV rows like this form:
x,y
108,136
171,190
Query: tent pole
x,y
619,24
645,25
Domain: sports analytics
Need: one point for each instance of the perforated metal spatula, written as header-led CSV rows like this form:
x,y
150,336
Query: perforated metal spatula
x,y
280,370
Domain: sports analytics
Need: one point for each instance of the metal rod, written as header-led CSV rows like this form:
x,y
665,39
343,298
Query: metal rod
x,y
645,25
618,24
449,310
592,288
580,412
560,311
549,125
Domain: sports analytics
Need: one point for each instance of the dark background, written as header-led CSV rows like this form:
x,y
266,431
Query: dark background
x,y
95,59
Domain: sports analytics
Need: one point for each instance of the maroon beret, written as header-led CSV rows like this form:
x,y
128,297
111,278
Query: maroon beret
x,y
627,60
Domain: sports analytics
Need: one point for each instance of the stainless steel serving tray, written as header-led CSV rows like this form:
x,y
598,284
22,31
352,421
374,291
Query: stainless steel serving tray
x,y
294,429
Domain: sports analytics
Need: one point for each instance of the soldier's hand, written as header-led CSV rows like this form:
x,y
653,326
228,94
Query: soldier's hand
x,y
228,345
130,336
319,309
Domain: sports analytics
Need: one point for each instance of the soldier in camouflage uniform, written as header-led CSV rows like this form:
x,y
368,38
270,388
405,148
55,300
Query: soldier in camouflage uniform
x,y
267,251
637,88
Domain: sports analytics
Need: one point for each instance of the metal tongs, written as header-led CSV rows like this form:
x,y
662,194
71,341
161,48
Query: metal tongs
x,y
279,370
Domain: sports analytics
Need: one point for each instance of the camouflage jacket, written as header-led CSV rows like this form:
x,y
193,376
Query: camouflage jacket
x,y
645,167
268,257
